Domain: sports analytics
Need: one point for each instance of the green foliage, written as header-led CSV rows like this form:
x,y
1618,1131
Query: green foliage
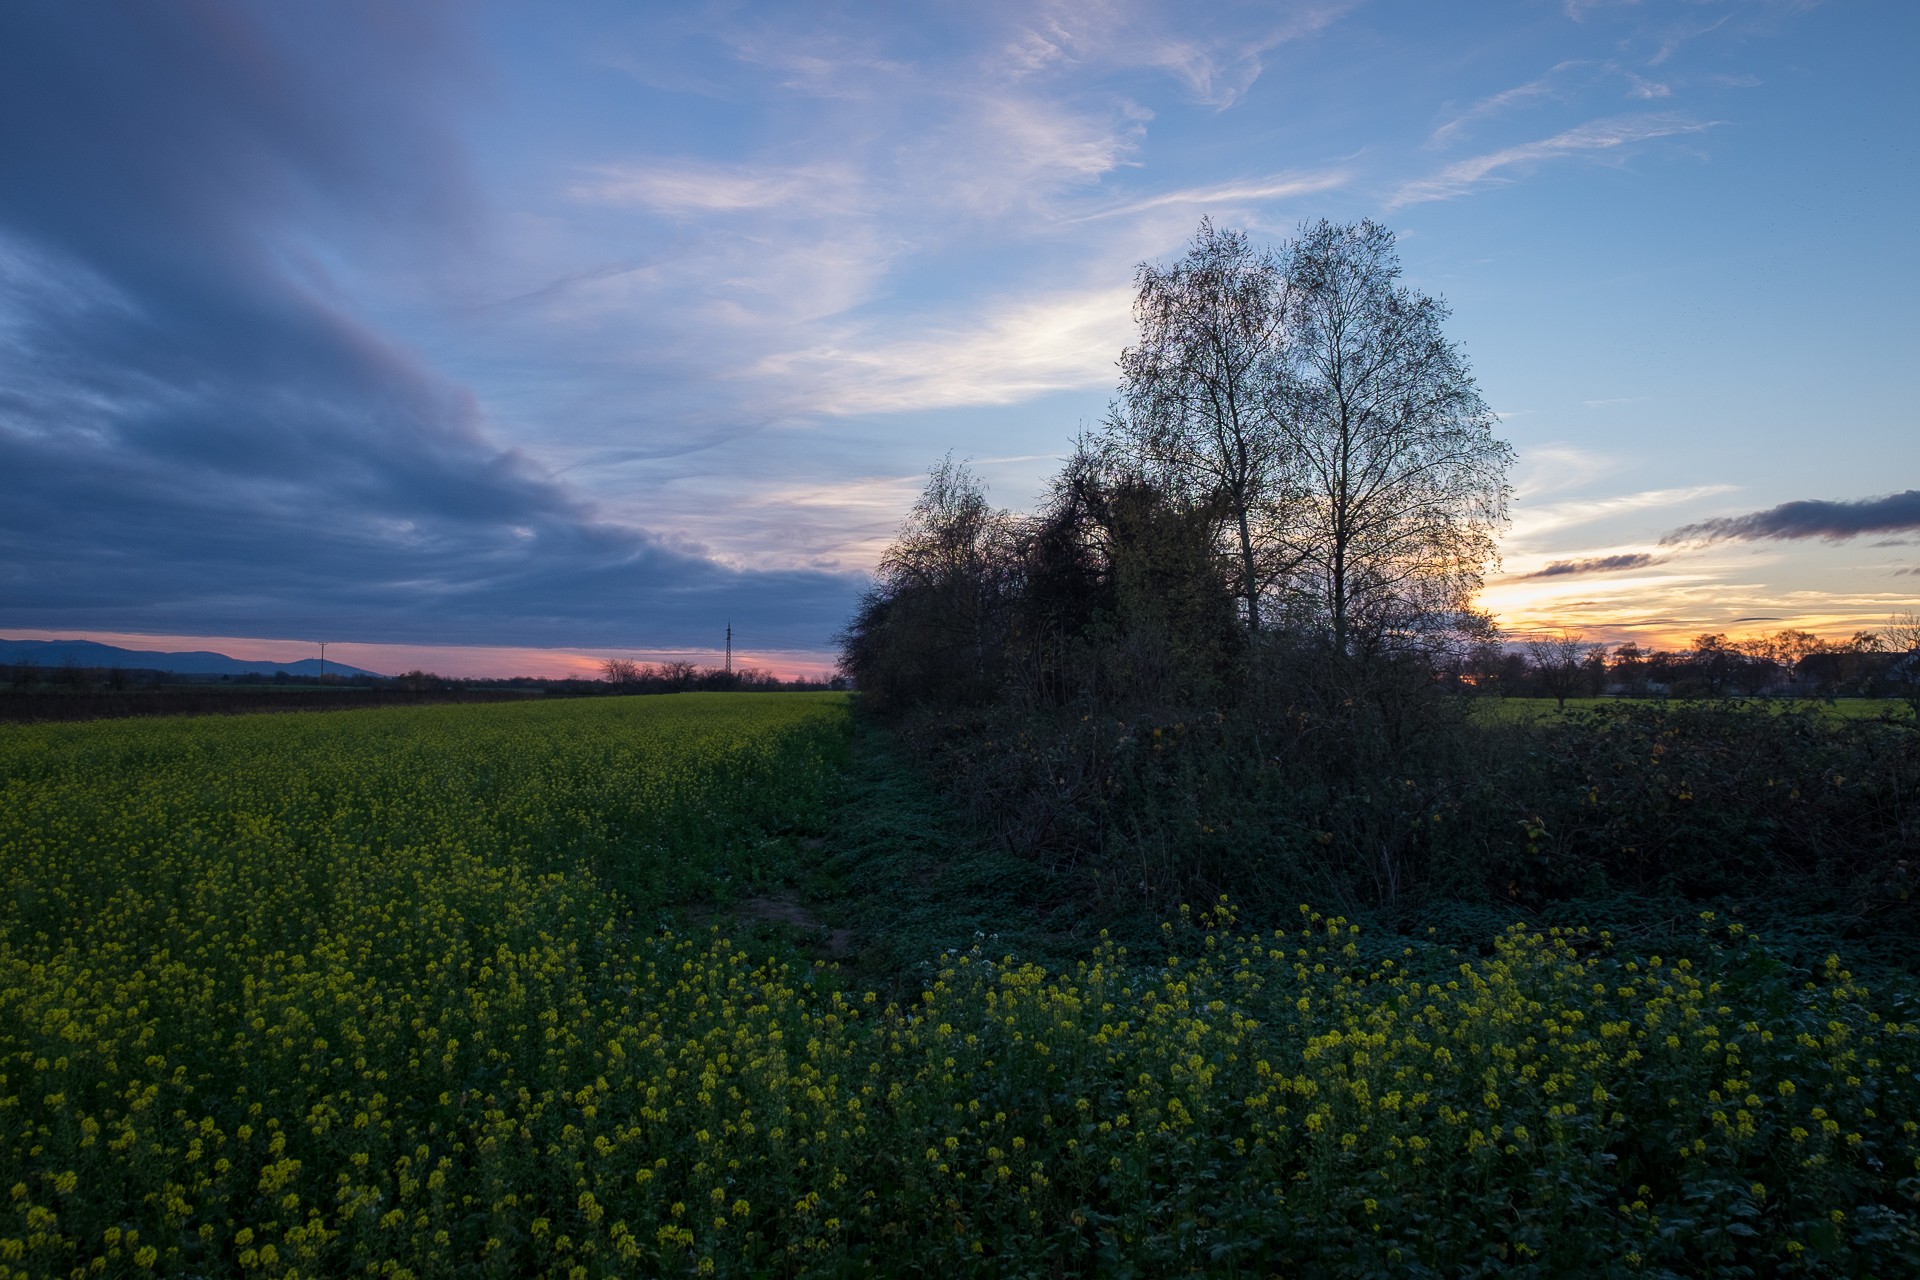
x,y
1703,798
1374,794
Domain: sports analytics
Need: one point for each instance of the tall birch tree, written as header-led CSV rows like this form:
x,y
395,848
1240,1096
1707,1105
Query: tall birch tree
x,y
1398,485
1201,393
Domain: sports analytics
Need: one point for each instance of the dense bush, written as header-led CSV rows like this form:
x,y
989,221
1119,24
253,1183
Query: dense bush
x,y
1409,794
1705,798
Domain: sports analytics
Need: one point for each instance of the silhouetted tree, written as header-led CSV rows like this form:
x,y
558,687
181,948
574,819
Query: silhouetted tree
x,y
1202,393
1120,560
1558,664
1400,482
1716,663
1629,667
937,621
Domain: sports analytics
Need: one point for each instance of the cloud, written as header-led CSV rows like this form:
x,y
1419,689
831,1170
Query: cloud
x,y
1554,468
999,151
823,63
1279,186
1542,86
696,187
1593,138
1596,564
791,292
1216,55
199,435
1647,90
1530,522
1015,350
1813,518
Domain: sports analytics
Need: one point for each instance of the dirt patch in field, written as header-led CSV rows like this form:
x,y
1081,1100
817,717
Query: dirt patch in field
x,y
785,908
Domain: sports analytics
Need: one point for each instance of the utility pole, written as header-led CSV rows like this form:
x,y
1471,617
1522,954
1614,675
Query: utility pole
x,y
729,652
323,660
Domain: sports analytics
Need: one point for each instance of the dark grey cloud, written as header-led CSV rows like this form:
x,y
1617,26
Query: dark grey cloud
x,y
198,434
1813,518
1596,564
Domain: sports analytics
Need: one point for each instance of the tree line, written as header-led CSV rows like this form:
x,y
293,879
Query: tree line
x,y
628,675
1882,663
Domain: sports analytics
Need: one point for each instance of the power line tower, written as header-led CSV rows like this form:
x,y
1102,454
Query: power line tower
x,y
729,653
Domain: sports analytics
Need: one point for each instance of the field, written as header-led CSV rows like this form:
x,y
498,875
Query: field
x,y
1521,709
483,989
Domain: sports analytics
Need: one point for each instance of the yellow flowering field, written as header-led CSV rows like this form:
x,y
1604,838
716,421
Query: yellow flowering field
x,y
377,993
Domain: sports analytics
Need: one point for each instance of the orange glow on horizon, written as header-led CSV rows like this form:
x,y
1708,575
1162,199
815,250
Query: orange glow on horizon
x,y
1670,611
458,661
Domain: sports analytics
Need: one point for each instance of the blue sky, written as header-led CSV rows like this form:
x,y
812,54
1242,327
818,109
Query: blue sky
x,y
590,327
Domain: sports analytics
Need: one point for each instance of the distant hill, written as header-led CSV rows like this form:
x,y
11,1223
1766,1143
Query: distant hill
x,y
86,653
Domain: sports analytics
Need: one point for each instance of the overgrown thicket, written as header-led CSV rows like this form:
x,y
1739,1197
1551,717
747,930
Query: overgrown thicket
x,y
1233,649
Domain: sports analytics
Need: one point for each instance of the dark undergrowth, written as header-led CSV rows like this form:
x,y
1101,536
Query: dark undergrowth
x,y
1627,817
916,858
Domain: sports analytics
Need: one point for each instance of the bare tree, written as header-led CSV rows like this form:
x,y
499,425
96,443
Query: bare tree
x,y
954,549
1901,634
621,671
1201,392
1400,484
1557,664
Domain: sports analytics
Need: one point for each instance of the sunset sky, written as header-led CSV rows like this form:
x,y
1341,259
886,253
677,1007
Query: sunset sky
x,y
497,338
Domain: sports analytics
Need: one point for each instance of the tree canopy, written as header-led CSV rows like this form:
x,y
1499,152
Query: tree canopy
x,y
1297,453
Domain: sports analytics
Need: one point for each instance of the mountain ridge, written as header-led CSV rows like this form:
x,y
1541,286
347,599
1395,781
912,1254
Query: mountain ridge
x,y
198,662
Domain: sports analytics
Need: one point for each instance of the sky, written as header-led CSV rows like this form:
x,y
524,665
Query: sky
x,y
496,338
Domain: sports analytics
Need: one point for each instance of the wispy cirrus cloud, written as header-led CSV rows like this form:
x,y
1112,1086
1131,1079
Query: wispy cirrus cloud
x,y
1252,191
1539,88
1531,522
1558,467
1597,137
683,186
1216,56
1813,518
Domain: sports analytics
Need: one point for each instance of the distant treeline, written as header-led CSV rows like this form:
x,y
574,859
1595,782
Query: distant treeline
x,y
29,692
1786,664
625,675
